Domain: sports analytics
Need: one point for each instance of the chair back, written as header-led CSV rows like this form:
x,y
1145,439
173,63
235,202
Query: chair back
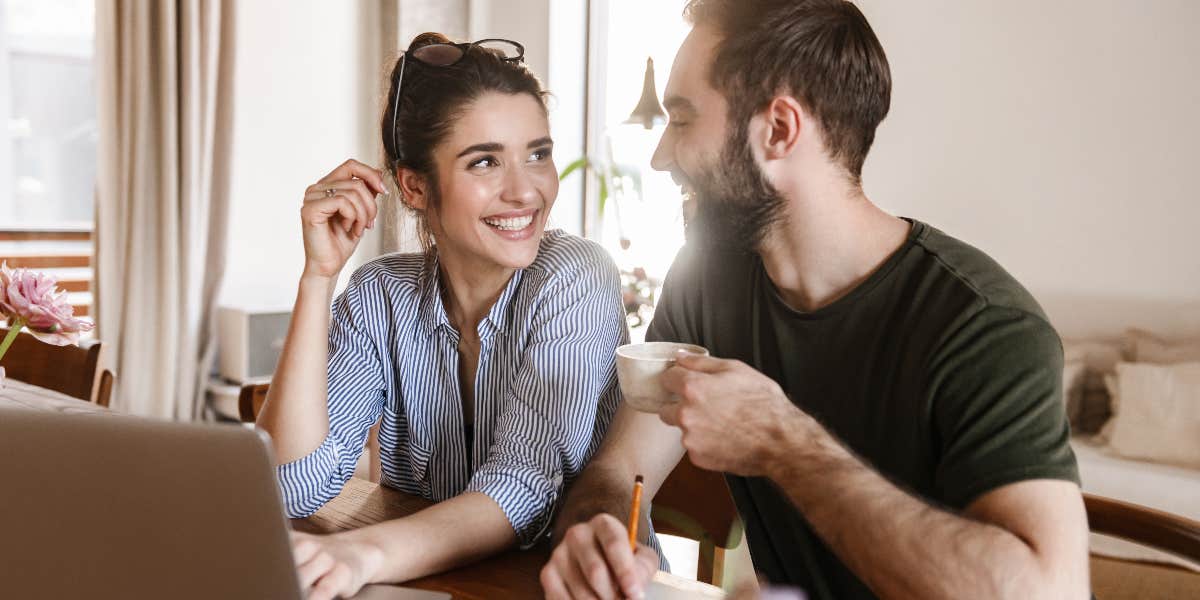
x,y
250,400
695,503
1143,525
1113,578
69,370
104,392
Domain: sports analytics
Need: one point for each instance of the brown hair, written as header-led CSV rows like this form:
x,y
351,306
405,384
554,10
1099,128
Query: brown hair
x,y
822,52
431,101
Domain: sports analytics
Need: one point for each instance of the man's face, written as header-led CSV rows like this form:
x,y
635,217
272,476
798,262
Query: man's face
x,y
710,157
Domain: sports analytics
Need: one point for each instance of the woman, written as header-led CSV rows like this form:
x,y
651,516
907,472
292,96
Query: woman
x,y
487,359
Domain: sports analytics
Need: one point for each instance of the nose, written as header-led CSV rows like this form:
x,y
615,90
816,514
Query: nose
x,y
519,187
664,154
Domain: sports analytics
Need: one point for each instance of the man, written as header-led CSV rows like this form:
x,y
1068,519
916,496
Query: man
x,y
884,399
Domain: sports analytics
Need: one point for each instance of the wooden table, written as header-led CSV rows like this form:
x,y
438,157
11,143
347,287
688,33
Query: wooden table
x,y
513,574
18,394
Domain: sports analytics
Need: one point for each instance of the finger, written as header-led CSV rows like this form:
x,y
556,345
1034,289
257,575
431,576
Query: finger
x,y
365,203
669,413
321,212
353,168
303,550
647,561
333,584
595,571
686,385
581,549
552,584
368,200
577,584
614,540
694,361
314,569
354,191
361,191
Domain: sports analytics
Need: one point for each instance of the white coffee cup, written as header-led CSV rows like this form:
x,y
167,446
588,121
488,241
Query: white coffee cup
x,y
639,367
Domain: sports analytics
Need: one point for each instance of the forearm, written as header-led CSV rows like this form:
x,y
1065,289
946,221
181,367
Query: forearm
x,y
296,412
636,444
600,488
898,544
449,534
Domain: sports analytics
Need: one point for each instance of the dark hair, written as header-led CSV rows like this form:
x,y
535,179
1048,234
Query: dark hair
x,y
822,52
432,98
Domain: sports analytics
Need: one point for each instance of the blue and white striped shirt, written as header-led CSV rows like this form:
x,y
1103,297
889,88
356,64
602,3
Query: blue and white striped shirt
x,y
545,389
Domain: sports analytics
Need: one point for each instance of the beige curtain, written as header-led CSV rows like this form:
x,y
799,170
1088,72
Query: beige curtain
x,y
164,74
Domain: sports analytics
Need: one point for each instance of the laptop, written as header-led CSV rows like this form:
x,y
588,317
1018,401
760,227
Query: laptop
x,y
97,506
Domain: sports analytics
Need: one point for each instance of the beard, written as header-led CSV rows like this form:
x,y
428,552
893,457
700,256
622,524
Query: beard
x,y
735,204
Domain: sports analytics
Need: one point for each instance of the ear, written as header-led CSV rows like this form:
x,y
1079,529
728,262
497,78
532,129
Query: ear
x,y
784,119
413,188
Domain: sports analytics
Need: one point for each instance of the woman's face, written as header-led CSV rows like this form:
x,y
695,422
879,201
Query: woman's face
x,y
496,182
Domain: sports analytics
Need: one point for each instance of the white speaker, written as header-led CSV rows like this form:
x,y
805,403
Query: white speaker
x,y
249,342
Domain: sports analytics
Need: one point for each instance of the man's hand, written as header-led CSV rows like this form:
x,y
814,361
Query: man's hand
x,y
594,562
734,419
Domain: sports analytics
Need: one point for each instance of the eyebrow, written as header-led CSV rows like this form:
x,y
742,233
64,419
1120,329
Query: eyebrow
x,y
676,102
486,147
497,147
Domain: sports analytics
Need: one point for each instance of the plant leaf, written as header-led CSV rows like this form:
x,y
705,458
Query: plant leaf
x,y
603,194
574,166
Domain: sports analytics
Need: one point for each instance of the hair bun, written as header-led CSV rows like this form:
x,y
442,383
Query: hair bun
x,y
428,38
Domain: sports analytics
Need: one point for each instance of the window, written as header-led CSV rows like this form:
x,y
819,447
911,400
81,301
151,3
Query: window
x,y
48,140
641,228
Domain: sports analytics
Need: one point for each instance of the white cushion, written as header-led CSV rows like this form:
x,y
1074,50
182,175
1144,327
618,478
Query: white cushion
x,y
1143,346
1157,413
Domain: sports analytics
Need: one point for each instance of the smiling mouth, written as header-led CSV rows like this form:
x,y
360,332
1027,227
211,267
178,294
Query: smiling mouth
x,y
511,223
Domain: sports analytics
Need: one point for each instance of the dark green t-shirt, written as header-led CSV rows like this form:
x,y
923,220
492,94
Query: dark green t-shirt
x,y
940,371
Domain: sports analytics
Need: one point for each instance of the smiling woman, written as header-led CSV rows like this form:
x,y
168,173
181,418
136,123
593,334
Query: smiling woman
x,y
487,359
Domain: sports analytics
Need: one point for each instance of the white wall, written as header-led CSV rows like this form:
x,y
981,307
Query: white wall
x,y
306,99
1059,137
554,35
298,99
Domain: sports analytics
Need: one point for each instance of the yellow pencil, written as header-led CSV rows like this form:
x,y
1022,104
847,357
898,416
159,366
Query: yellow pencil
x,y
633,513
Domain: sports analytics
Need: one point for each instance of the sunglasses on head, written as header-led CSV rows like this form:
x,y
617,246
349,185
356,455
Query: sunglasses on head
x,y
448,55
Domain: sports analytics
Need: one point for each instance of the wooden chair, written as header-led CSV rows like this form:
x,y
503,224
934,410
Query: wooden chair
x,y
1114,579
696,504
250,402
70,370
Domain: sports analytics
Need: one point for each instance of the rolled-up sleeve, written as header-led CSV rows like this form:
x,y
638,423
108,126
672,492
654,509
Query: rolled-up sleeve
x,y
355,401
561,402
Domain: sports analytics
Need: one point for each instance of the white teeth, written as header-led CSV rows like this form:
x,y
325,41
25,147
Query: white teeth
x,y
513,224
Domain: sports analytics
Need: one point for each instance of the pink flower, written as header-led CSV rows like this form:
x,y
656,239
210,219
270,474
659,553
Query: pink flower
x,y
33,300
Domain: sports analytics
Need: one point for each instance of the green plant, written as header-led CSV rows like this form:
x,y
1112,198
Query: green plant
x,y
611,178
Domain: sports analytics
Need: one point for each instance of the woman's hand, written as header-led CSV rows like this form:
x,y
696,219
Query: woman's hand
x,y
333,566
336,211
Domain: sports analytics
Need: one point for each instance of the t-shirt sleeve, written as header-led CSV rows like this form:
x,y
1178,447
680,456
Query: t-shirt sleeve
x,y
998,413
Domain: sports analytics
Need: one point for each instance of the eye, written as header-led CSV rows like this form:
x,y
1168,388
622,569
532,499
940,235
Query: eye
x,y
676,123
541,154
483,163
